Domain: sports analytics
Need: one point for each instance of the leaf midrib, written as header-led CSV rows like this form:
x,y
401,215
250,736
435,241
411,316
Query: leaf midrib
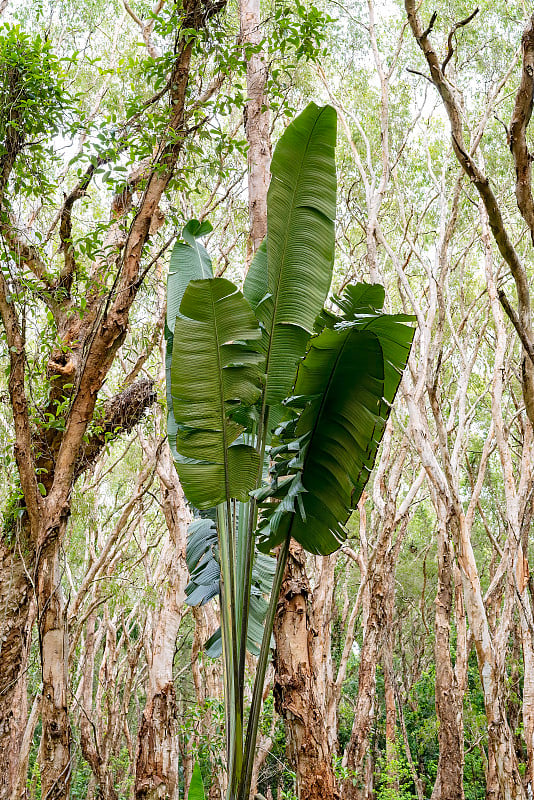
x,y
221,394
286,238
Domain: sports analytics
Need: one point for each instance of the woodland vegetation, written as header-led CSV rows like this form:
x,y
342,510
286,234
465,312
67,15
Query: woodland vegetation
x,y
403,663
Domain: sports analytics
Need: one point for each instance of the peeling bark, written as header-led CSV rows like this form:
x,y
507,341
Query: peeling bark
x,y
449,689
54,753
381,601
257,124
158,750
298,699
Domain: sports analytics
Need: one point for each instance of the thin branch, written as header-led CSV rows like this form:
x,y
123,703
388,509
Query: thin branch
x,y
450,48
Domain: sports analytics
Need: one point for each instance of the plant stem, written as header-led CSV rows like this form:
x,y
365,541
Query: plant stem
x,y
257,697
249,551
234,725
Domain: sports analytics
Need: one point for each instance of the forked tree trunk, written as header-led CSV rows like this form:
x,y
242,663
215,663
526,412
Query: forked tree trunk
x,y
298,698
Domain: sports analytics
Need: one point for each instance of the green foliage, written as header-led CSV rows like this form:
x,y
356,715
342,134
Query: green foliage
x,y
343,389
394,779
80,779
31,86
189,261
300,244
33,109
12,514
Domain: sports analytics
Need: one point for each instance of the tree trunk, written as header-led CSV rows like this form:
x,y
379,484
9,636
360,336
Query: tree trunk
x,y
528,705
54,754
492,779
15,600
381,582
20,779
257,125
449,695
297,698
391,710
18,753
500,739
158,751
158,755
89,734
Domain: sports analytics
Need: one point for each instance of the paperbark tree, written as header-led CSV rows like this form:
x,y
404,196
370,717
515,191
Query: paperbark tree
x,y
303,672
380,585
158,753
517,504
49,459
257,122
450,678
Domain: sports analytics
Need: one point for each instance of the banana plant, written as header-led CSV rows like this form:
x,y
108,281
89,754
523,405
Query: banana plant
x,y
276,407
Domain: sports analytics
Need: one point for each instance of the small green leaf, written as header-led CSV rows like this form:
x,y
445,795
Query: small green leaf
x,y
196,787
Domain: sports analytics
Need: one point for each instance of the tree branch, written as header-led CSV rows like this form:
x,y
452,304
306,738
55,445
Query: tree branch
x,y
17,392
514,319
479,179
121,414
518,127
469,166
113,325
450,48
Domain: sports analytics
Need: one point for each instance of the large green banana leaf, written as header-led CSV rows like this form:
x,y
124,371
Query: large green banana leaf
x,y
289,278
189,261
361,304
342,397
215,371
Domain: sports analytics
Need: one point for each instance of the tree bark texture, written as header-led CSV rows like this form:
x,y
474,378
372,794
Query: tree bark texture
x,y
158,751
257,123
15,601
297,698
449,691
56,737
381,600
